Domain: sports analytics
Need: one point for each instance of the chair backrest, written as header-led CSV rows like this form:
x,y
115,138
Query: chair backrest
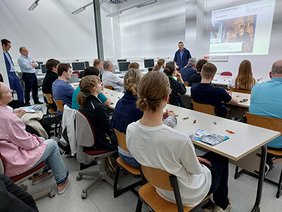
x,y
49,98
204,108
60,105
226,73
240,90
84,133
265,122
110,87
121,139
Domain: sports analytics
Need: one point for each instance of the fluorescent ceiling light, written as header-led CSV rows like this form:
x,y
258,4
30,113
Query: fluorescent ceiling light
x,y
85,6
34,5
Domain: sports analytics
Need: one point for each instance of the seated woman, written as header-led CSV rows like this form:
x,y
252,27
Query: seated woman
x,y
126,111
160,65
244,80
96,112
89,71
176,84
156,145
27,149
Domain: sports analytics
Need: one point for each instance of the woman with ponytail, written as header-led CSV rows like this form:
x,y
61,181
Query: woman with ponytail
x,y
96,112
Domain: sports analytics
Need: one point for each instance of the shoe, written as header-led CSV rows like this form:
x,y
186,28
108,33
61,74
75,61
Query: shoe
x,y
38,102
219,209
268,168
61,188
27,104
208,206
39,178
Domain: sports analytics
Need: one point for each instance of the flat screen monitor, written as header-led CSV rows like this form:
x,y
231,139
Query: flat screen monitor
x,y
86,64
39,64
78,66
121,60
43,68
123,66
149,63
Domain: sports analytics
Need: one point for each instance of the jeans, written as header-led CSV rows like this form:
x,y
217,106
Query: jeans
x,y
15,85
130,161
30,82
219,170
53,160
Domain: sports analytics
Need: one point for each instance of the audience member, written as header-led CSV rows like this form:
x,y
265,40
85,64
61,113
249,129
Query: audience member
x,y
189,70
181,57
96,112
14,80
61,89
206,93
28,149
27,66
98,64
133,65
51,75
176,84
196,78
110,79
89,71
244,80
126,111
156,145
160,65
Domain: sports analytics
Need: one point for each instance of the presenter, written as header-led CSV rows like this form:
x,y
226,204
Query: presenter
x,y
181,57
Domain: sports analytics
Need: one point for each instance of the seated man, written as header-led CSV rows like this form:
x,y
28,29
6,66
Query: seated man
x,y
205,93
265,101
189,70
110,79
62,90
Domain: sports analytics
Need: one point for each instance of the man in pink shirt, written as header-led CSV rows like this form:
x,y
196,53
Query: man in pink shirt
x,y
20,150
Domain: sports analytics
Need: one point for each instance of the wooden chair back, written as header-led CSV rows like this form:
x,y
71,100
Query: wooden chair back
x,y
265,122
60,105
49,98
121,140
204,108
240,90
110,87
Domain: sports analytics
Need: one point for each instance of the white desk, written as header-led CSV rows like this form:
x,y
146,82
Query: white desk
x,y
246,139
221,80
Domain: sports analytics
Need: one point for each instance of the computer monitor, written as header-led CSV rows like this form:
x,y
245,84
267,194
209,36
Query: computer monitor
x,y
149,63
43,68
121,60
86,64
123,66
39,64
78,66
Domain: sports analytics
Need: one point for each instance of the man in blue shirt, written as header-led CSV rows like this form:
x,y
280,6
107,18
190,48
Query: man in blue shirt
x,y
14,80
27,66
181,57
188,71
266,99
61,89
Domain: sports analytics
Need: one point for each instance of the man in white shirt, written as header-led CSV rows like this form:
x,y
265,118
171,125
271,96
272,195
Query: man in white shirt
x,y
110,79
27,66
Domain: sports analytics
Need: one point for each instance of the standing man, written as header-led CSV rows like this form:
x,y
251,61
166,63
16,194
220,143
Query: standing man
x,y
181,57
27,66
14,80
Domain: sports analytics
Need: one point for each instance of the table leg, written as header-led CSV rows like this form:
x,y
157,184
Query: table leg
x,y
260,180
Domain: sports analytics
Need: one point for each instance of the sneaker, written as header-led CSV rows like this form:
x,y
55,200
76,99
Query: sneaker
x,y
219,209
39,178
209,206
61,188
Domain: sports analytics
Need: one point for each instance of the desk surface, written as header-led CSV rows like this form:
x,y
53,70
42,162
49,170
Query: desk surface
x,y
246,138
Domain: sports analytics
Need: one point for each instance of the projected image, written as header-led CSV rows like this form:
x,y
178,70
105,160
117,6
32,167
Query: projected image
x,y
234,35
243,29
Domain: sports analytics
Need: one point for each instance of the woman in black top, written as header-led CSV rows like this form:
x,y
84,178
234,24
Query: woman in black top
x,y
96,112
176,84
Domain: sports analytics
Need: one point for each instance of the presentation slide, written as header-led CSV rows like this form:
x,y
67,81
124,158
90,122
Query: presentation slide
x,y
243,29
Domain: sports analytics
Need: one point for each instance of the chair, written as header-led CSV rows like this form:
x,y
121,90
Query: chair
x,y
110,87
204,108
148,194
60,106
50,101
121,164
226,73
19,179
240,90
85,138
272,124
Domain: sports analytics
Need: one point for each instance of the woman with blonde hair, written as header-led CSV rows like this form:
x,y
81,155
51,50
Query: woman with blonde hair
x,y
160,65
244,79
156,145
96,112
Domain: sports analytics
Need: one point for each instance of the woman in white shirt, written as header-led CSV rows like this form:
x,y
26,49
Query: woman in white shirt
x,y
154,144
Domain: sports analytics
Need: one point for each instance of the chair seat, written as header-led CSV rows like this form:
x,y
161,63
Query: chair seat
x,y
27,173
149,195
127,167
275,152
96,151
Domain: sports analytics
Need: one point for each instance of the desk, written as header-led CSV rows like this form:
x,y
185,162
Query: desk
x,y
246,140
